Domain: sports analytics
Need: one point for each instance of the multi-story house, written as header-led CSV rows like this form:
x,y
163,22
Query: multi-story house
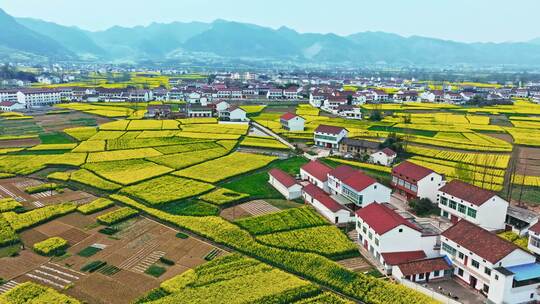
x,y
317,99
357,187
415,181
349,112
391,239
329,136
499,269
459,200
274,94
291,93
38,97
292,122
316,173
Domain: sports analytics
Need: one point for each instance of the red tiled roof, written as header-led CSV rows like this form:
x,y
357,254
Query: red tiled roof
x,y
342,172
535,228
329,129
7,103
359,181
424,266
321,196
411,171
383,219
485,244
282,177
467,192
389,152
317,169
394,258
288,116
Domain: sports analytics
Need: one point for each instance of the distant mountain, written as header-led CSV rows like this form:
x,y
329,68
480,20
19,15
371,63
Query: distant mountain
x,y
27,38
72,38
16,37
154,41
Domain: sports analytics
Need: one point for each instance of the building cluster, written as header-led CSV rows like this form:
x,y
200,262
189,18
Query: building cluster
x,y
417,249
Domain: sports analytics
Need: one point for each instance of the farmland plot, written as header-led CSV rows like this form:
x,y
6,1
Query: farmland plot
x,y
126,172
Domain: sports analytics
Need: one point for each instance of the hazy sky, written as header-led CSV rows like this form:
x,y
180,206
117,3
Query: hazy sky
x,y
462,20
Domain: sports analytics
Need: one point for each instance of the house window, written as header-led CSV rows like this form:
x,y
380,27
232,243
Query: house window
x,y
452,204
535,242
414,188
462,208
449,249
461,255
432,179
400,230
436,273
496,277
444,201
460,272
421,276
364,229
370,235
394,179
485,289
475,264
377,242
487,271
471,212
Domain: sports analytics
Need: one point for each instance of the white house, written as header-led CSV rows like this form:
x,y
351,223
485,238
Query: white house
x,y
423,270
459,200
285,184
199,111
383,232
326,206
534,238
497,268
292,122
383,157
233,113
291,93
329,136
8,106
316,173
415,181
357,187
274,94
349,112
38,97
222,106
317,99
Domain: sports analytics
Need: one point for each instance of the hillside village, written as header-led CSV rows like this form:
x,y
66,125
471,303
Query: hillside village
x,y
404,183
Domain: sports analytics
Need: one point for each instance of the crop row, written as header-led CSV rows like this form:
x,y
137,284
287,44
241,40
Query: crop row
x,y
311,266
117,216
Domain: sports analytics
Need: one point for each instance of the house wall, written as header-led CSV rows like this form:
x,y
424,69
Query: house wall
x,y
291,193
376,193
429,186
338,217
296,124
308,177
491,215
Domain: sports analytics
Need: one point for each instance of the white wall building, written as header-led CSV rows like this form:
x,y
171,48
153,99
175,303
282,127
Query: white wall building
x,y
497,268
316,173
459,200
38,97
359,188
285,184
383,232
415,181
385,157
329,136
326,206
292,122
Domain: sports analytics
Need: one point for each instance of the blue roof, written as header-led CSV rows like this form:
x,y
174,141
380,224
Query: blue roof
x,y
525,271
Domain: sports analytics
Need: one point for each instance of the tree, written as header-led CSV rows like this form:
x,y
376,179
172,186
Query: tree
x,y
394,142
376,115
423,206
349,100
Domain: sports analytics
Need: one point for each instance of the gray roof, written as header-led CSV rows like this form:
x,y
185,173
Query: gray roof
x,y
360,143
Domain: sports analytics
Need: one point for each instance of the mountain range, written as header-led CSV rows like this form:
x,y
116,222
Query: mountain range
x,y
24,38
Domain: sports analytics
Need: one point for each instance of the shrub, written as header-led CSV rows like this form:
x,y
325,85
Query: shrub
x,y
155,271
51,246
423,207
42,188
117,216
9,204
223,196
181,235
33,293
95,206
166,261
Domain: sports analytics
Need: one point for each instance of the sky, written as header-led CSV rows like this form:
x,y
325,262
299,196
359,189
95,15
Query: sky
x,y
459,20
